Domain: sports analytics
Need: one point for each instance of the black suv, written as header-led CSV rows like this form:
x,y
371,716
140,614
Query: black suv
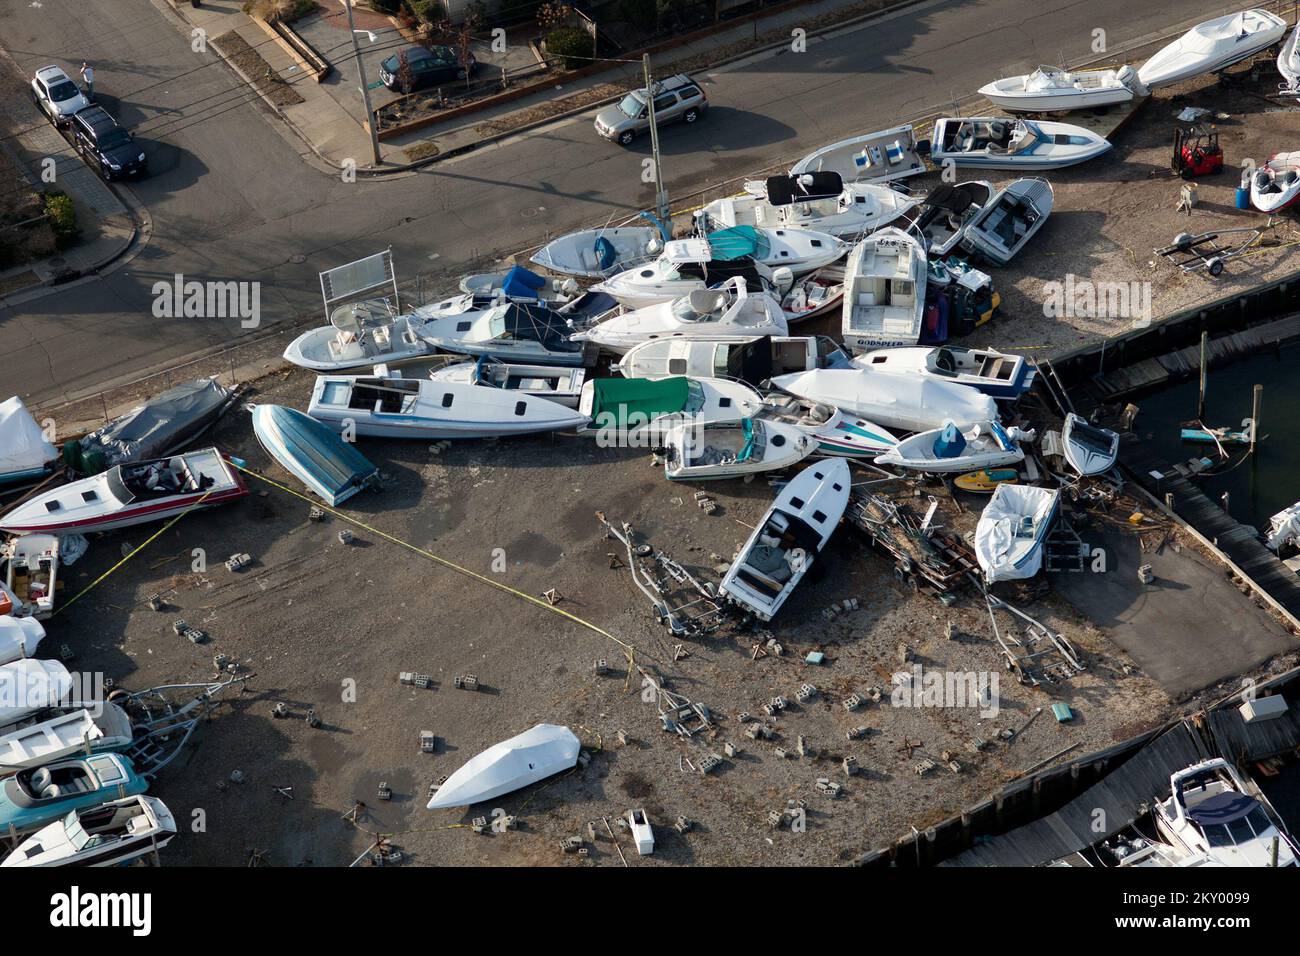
x,y
106,145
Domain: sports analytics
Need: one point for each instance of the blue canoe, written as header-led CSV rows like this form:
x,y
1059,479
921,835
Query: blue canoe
x,y
313,452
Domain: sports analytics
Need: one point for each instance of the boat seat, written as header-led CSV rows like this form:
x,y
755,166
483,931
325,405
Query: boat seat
x,y
769,565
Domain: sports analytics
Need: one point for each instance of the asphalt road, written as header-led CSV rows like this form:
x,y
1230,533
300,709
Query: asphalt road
x,y
231,198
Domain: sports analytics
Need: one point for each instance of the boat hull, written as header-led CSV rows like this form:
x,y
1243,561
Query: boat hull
x,y
312,453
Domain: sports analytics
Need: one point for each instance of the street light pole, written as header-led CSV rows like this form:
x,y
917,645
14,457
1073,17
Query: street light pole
x,y
661,193
365,87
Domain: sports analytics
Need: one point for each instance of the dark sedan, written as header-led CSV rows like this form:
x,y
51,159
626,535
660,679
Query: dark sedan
x,y
424,67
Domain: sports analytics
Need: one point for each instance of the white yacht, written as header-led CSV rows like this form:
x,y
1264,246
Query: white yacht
x,y
884,291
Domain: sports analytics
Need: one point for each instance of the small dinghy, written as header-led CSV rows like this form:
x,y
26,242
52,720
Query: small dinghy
x,y
520,285
313,453
788,539
28,687
560,385
820,201
1276,184
395,407
534,755
947,211
999,374
985,481
511,331
730,311
25,453
33,571
1288,64
131,494
596,253
751,360
1011,530
1003,227
993,142
708,450
30,799
1212,46
107,835
809,296
1089,450
19,637
1050,89
874,157
949,450
639,411
837,434
884,291
912,403
365,333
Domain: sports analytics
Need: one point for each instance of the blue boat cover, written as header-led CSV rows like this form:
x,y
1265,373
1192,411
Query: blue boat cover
x,y
318,455
1222,808
606,254
519,283
950,442
738,242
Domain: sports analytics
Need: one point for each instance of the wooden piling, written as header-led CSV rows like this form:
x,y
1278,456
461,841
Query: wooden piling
x,y
1254,416
1200,399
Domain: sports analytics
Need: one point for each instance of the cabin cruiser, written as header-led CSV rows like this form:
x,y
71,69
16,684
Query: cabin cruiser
x,y
884,294
879,157
999,374
710,450
1012,530
950,450
753,360
639,411
820,201
1212,46
1013,217
1050,89
107,835
993,142
912,403
728,311
1276,184
947,210
511,331
556,384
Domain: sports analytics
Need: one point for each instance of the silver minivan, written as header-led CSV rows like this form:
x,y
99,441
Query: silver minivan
x,y
676,98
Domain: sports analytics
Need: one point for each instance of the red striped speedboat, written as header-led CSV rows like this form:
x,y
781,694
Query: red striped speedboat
x,y
132,493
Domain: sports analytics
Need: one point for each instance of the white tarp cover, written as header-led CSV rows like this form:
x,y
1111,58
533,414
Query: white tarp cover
x,y
28,686
1284,527
1009,535
22,443
19,637
505,767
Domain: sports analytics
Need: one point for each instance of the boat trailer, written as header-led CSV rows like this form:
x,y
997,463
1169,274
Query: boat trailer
x,y
1191,253
163,720
1043,656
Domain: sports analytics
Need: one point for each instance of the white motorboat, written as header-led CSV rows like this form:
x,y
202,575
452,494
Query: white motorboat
x,y
365,333
511,331
1288,63
884,291
640,411
911,403
1276,184
1050,89
950,450
25,452
753,360
809,296
107,835
837,434
1284,528
1215,814
1089,450
1011,531
395,407
730,311
32,572
534,755
788,539
874,157
560,385
820,201
1212,46
946,212
996,142
521,285
707,450
28,687
595,253
131,494
1013,217
67,733
19,637
994,373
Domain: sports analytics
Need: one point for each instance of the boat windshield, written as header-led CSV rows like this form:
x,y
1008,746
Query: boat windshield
x,y
694,398
1024,139
533,324
1253,825
75,832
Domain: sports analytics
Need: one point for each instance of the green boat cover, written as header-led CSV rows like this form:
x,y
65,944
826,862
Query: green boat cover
x,y
737,243
644,398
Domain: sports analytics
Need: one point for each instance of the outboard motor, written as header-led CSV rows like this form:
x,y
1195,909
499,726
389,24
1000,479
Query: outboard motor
x,y
1129,78
782,280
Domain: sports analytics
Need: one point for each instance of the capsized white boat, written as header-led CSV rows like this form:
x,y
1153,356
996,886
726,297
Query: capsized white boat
x,y
29,686
912,403
32,572
884,291
1050,89
556,384
820,201
19,637
395,407
107,835
1011,530
707,450
131,494
534,755
1276,184
837,434
950,450
594,253
995,142
730,311
876,157
1089,450
788,539
1212,46
946,211
640,411
752,360
1288,63
999,374
1013,217
25,452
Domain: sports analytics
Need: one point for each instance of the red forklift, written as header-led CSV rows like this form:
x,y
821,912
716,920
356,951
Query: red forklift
x,y
1196,152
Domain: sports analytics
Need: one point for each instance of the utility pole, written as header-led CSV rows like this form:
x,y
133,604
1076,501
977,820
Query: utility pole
x,y
661,194
365,87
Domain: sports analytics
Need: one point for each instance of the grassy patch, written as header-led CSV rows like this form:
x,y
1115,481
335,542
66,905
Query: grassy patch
x,y
236,49
419,151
